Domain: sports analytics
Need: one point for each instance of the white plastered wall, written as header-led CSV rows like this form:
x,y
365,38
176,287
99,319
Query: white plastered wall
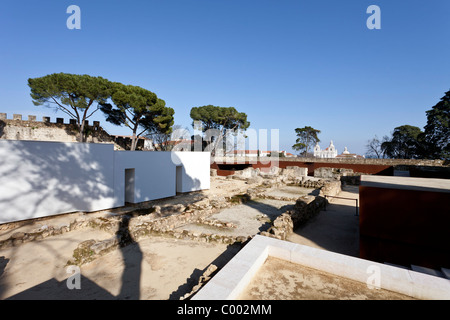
x,y
45,178
155,173
195,170
40,179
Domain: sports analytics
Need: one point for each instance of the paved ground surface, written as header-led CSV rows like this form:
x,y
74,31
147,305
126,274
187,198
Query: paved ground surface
x,y
156,267
254,216
336,229
249,218
292,192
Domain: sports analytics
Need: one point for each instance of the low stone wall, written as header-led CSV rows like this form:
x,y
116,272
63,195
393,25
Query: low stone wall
x,y
45,231
274,176
330,188
332,173
137,223
305,208
366,161
346,176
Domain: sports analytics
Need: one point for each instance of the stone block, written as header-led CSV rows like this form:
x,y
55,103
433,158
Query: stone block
x,y
294,172
331,188
31,118
325,173
46,119
17,117
59,120
247,173
253,180
3,116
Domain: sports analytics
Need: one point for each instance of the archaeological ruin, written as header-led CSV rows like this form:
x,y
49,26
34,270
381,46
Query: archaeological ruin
x,y
162,225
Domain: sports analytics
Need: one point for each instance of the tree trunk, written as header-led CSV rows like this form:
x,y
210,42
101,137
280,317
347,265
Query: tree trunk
x,y
133,142
81,133
134,139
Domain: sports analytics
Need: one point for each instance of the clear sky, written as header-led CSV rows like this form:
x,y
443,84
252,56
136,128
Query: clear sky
x,y
287,64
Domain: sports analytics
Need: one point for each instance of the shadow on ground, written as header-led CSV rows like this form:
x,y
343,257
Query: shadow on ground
x,y
336,229
89,290
192,281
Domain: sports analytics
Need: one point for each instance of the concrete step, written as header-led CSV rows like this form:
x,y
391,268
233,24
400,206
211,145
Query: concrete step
x,y
446,272
397,265
401,173
429,271
443,273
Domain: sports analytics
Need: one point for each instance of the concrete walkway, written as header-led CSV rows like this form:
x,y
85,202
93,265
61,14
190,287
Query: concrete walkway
x,y
336,229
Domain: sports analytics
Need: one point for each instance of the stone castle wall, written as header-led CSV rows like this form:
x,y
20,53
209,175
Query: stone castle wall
x,y
352,161
19,128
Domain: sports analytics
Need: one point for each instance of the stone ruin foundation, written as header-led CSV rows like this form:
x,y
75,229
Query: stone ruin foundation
x,y
131,224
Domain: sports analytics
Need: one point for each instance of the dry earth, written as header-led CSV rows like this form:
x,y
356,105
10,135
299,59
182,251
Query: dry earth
x,y
281,280
155,267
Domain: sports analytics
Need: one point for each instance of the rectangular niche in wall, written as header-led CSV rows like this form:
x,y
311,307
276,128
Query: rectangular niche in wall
x,y
129,185
178,182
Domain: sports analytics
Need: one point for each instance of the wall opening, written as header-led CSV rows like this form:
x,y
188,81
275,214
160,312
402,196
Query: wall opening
x,y
129,185
179,182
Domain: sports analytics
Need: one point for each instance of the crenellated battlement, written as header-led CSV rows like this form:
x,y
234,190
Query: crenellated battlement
x,y
57,129
33,118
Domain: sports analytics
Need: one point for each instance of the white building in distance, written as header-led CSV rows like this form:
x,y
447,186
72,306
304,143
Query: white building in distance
x,y
330,152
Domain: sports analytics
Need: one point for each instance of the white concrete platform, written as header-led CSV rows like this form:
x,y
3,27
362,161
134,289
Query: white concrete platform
x,y
406,183
231,280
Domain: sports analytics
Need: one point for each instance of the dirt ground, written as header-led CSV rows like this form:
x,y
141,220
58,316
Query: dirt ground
x,y
153,268
281,280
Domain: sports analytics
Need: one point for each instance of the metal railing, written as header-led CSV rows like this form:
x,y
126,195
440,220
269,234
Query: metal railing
x,y
357,211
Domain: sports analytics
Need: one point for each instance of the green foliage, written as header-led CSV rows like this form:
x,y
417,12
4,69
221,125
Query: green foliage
x,y
436,137
76,95
409,142
404,144
223,120
136,108
306,138
213,117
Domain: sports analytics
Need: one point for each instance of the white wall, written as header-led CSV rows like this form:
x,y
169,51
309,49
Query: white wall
x,y
45,178
154,175
195,172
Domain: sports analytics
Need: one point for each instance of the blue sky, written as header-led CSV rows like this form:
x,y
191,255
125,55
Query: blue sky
x,y
287,64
